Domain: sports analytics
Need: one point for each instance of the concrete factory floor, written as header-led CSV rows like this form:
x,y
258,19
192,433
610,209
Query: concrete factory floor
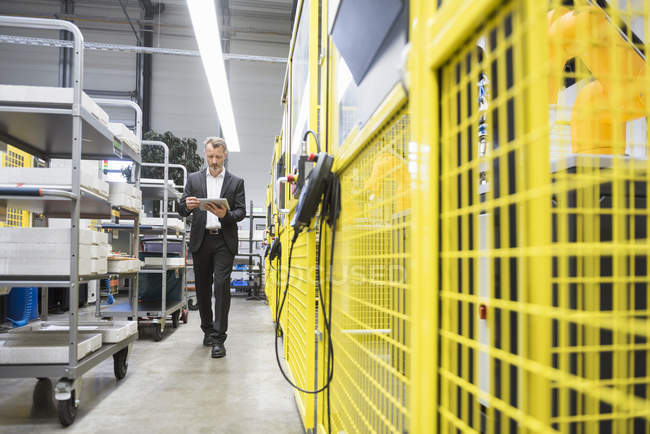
x,y
173,386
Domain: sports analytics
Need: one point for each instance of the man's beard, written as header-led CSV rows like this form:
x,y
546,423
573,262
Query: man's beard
x,y
216,168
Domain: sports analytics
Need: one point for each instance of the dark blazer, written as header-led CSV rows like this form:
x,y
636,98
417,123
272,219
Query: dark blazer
x,y
233,190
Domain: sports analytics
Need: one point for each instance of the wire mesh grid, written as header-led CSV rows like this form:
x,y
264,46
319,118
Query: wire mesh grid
x,y
544,313
296,325
371,287
16,158
271,289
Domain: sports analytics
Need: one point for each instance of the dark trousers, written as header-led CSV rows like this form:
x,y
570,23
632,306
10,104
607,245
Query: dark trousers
x,y
213,264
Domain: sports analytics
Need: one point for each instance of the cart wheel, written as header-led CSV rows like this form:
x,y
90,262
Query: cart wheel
x,y
67,410
121,363
42,401
157,332
175,318
192,305
185,316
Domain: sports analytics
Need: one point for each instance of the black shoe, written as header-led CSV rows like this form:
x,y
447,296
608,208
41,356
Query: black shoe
x,y
218,351
209,340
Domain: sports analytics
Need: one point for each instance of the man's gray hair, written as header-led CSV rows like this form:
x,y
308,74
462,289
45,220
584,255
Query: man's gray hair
x,y
216,142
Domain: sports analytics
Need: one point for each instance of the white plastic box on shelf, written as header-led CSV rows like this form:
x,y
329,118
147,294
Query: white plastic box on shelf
x,y
125,135
46,252
158,183
111,331
125,195
157,262
44,348
53,176
123,265
42,95
172,222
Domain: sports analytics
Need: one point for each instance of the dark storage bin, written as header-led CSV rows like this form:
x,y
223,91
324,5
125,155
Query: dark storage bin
x,y
174,248
58,299
150,284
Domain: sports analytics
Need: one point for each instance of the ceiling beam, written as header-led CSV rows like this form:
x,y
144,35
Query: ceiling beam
x,y
26,40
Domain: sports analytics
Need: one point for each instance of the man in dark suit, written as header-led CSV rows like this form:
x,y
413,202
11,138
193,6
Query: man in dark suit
x,y
213,239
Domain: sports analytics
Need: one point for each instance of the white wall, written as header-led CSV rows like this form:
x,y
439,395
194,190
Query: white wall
x,y
256,92
181,101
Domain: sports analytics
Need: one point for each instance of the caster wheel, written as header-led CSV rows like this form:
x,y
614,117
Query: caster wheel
x,y
192,304
176,318
67,410
121,363
157,333
185,316
42,399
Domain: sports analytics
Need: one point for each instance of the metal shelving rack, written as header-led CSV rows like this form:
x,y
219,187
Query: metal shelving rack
x,y
156,313
252,274
63,131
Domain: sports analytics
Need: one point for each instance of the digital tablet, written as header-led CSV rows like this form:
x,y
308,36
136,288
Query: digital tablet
x,y
223,203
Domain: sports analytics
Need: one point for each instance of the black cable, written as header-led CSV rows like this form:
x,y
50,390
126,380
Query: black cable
x,y
330,210
277,328
308,132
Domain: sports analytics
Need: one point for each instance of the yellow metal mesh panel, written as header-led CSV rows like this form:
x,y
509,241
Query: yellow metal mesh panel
x,y
271,289
17,158
598,90
298,319
371,287
544,283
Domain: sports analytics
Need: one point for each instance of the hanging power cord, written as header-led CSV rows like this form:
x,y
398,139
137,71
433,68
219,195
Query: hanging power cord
x,y
330,210
277,329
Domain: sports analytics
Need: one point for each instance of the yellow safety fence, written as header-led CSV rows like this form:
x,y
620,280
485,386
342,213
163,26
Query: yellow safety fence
x,y
16,158
491,259
544,246
298,317
371,315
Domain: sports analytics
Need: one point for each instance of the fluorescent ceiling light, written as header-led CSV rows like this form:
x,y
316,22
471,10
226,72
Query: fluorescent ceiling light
x,y
208,38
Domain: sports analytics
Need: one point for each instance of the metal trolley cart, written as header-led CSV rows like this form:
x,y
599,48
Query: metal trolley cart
x,y
61,128
156,312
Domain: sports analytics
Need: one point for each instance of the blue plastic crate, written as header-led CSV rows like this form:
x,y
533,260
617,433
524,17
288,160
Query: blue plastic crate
x,y
22,306
239,283
241,267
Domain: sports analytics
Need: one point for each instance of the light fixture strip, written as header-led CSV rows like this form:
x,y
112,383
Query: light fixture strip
x,y
208,38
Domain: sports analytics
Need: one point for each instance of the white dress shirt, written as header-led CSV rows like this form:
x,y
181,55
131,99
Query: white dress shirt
x,y
214,184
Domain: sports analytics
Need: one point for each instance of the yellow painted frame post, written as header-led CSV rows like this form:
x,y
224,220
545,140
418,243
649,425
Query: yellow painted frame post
x,y
310,317
424,147
537,286
323,120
